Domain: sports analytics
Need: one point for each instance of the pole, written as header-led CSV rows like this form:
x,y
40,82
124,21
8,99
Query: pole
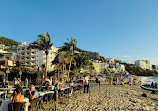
x,y
56,103
7,76
89,99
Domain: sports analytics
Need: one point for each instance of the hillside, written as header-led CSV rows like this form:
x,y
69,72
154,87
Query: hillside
x,y
135,70
8,42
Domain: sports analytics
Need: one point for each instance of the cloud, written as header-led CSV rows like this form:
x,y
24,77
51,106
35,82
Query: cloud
x,y
125,57
130,62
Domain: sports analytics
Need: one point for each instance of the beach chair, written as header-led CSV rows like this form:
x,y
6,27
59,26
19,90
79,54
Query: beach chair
x,y
18,106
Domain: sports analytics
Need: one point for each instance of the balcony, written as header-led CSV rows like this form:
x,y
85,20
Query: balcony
x,y
22,54
33,50
22,59
33,64
33,55
33,59
22,51
27,54
27,50
27,60
27,64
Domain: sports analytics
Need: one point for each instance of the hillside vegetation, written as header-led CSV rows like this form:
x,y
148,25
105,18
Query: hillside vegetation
x,y
8,42
135,70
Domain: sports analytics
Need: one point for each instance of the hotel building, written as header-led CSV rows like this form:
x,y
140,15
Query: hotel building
x,y
35,58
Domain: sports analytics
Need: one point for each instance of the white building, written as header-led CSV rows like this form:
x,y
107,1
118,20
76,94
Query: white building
x,y
34,57
120,67
99,67
144,64
111,60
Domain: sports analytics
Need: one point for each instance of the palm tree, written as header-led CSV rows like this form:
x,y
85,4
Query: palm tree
x,y
69,52
43,43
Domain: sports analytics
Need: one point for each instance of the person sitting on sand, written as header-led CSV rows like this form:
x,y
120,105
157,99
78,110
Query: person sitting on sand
x,y
121,83
18,96
152,84
115,80
155,85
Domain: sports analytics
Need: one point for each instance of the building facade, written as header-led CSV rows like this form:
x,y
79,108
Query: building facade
x,y
35,58
99,67
144,64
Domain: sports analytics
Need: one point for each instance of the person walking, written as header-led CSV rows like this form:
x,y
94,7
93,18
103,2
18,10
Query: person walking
x,y
86,84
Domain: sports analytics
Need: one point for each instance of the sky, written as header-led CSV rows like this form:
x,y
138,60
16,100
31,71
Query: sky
x,y
121,29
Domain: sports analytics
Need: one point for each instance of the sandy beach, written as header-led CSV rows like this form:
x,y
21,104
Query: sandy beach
x,y
110,98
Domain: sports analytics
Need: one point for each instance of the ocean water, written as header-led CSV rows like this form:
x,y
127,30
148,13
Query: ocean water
x,y
149,79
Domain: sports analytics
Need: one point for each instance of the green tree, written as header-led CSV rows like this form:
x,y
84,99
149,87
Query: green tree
x,y
69,48
43,43
8,42
17,68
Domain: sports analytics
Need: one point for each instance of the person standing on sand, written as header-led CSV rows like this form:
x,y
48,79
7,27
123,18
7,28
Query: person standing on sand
x,y
140,81
97,80
26,82
131,81
86,84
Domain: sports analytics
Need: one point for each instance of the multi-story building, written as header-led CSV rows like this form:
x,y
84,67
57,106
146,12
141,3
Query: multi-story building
x,y
120,67
110,60
99,67
144,64
2,46
35,58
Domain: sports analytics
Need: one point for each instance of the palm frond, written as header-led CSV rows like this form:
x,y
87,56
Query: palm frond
x,y
39,41
47,37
